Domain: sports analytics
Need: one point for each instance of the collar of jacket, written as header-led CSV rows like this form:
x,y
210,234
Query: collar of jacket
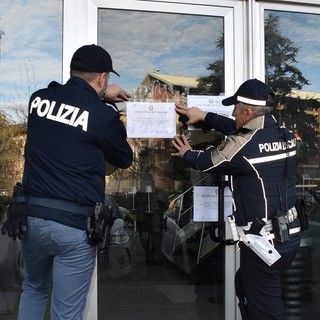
x,y
80,82
261,122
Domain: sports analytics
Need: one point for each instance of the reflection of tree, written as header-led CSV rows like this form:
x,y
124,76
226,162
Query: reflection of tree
x,y
142,164
213,84
19,107
282,74
281,71
11,151
144,159
302,117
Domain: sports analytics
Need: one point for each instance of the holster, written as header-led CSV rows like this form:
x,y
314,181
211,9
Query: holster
x,y
99,226
303,214
256,239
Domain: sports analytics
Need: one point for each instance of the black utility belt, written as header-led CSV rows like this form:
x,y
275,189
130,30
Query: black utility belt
x,y
61,205
278,227
287,217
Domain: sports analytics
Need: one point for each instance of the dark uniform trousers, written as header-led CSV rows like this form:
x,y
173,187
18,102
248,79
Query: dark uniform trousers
x,y
259,285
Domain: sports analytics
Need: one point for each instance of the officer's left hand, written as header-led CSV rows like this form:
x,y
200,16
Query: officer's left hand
x,y
181,145
115,93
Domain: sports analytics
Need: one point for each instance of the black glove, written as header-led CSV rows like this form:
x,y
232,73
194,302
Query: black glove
x,y
16,223
199,125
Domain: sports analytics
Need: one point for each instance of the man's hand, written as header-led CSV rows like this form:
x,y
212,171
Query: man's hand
x,y
115,93
182,145
194,114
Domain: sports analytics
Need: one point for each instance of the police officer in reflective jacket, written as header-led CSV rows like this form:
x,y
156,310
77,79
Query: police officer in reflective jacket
x,y
259,156
72,134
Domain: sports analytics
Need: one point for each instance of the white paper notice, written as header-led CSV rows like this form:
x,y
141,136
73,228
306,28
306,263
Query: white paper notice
x,y
206,203
210,104
151,120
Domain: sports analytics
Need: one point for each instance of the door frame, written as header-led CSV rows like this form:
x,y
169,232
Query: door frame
x,y
80,28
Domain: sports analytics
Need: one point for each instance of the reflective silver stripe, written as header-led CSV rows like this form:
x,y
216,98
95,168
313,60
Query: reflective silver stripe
x,y
291,231
272,158
252,101
292,214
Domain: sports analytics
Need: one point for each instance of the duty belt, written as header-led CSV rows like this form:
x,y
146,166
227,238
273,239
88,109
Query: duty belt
x,y
61,205
291,215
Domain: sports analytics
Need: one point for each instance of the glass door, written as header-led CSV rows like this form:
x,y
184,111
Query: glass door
x,y
161,263
291,62
30,58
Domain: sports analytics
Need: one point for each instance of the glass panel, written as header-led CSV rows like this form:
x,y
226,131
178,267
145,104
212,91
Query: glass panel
x,y
161,264
292,69
30,57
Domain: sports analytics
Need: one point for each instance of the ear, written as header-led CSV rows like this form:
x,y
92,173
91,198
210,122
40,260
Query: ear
x,y
249,113
101,78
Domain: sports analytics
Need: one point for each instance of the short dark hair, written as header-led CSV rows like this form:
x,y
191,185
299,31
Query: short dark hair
x,y
87,76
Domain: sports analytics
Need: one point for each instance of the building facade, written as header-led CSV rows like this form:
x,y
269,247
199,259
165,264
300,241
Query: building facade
x,y
179,44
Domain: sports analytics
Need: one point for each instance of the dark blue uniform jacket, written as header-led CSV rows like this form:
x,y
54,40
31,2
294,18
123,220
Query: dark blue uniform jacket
x,y
70,136
260,160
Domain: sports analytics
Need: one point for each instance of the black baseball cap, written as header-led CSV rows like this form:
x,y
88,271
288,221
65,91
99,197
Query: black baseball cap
x,y
253,92
92,58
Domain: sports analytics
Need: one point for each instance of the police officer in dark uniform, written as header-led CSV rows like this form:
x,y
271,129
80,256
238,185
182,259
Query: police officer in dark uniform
x,y
72,134
260,158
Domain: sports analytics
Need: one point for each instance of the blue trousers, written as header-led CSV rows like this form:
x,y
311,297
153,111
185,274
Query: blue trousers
x,y
58,259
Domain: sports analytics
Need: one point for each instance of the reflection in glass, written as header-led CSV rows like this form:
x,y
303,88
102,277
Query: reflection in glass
x,y
162,57
30,58
292,70
176,45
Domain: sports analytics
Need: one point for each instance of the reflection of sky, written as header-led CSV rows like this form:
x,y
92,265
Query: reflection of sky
x,y
177,44
31,48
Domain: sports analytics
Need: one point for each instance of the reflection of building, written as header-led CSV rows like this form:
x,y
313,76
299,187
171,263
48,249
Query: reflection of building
x,y
304,95
164,87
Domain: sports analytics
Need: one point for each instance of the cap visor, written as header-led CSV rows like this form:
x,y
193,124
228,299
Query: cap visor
x,y
115,72
229,101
